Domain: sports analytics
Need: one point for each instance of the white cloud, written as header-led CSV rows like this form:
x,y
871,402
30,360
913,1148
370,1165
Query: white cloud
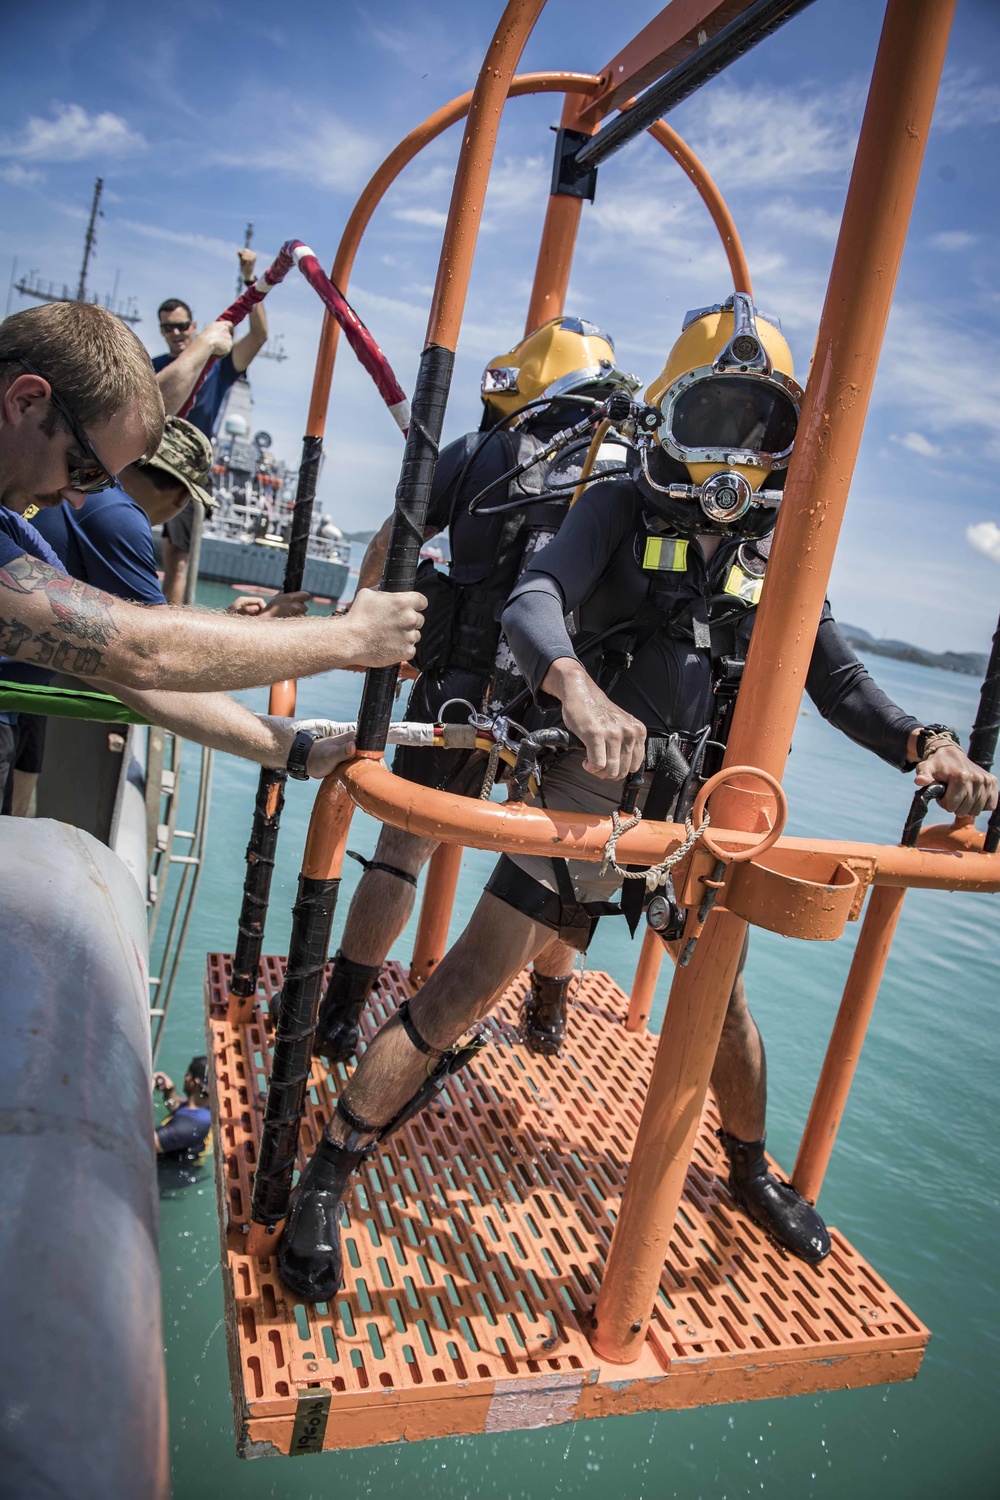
x,y
72,135
428,218
205,243
966,97
917,443
776,137
312,144
985,537
818,223
936,372
953,239
19,176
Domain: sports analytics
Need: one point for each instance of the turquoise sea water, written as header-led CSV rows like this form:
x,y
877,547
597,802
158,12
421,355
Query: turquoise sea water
x,y
913,1184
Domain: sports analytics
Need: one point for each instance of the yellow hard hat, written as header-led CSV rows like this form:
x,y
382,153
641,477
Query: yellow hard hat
x,y
727,394
564,356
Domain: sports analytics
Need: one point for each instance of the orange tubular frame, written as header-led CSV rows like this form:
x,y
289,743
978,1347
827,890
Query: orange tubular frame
x,y
818,878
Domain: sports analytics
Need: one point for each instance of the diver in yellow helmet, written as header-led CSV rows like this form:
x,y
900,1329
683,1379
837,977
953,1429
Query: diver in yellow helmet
x,y
716,435
563,358
661,611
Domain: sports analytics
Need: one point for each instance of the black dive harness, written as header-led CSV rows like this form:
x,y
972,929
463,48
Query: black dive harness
x,y
718,620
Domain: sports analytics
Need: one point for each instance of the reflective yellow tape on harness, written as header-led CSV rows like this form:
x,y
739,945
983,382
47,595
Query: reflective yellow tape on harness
x,y
743,585
665,554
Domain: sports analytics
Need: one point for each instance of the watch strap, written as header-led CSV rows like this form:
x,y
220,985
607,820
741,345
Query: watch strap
x,y
298,755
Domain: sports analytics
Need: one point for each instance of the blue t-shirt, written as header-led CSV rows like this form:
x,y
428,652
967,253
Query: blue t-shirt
x,y
107,543
205,411
183,1136
18,537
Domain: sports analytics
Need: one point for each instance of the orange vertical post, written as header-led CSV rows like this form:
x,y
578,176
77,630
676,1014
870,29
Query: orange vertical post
x,y
562,223
847,1039
662,1152
873,232
435,913
644,984
858,299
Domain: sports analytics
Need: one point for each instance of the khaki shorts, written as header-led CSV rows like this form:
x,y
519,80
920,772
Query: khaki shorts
x,y
567,787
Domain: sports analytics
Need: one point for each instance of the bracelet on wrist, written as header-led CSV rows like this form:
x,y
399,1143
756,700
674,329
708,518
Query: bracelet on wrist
x,y
934,737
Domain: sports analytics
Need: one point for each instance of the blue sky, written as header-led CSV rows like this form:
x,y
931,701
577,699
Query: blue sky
x,y
199,123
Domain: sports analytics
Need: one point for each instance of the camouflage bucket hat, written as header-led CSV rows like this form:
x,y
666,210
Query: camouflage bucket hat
x,y
186,453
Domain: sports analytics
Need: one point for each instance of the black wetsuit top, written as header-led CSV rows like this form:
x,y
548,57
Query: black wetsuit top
x,y
593,570
486,550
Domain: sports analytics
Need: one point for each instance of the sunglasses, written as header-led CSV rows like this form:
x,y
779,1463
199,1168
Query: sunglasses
x,y
87,473
176,327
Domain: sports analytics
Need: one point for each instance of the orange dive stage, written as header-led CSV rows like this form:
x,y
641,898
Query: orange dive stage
x,y
477,1243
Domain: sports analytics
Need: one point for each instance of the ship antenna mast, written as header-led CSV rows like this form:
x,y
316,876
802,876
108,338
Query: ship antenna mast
x,y
90,239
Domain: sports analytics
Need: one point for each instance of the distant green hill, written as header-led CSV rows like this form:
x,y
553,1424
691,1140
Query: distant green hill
x,y
968,663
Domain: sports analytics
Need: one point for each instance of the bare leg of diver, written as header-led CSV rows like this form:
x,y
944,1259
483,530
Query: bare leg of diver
x,y
398,1065
383,903
380,910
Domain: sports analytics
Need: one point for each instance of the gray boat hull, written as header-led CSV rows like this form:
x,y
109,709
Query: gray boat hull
x,y
224,560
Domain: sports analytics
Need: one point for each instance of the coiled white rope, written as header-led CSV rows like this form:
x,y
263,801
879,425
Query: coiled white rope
x,y
656,874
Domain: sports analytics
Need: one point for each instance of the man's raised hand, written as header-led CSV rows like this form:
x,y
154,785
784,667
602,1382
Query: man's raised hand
x,y
219,338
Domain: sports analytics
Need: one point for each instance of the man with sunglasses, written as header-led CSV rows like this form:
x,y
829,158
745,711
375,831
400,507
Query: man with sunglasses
x,y
64,438
661,571
177,372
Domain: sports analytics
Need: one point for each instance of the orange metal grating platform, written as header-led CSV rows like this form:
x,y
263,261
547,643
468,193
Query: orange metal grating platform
x,y
475,1246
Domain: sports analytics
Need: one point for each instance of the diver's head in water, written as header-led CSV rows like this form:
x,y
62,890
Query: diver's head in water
x,y
723,414
196,1081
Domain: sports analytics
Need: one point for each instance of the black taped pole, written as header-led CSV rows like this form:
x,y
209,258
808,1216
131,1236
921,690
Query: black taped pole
x,y
982,749
270,799
735,39
291,1057
406,537
986,730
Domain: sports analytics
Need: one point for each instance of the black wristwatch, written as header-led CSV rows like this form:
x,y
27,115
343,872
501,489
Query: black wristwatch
x,y
250,281
929,731
299,754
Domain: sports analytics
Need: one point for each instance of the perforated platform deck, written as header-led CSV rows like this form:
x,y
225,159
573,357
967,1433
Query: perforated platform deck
x,y
475,1248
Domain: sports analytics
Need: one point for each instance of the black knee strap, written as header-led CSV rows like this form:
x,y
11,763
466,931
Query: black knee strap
x,y
447,1064
380,864
574,921
413,1035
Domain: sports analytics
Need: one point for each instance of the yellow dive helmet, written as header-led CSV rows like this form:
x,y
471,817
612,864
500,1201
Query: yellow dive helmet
x,y
565,356
726,407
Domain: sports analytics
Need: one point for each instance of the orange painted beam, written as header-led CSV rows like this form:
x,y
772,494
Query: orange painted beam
x,y
679,29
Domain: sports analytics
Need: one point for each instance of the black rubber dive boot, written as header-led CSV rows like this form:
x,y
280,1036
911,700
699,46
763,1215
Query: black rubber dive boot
x,y
347,994
774,1205
542,1017
310,1262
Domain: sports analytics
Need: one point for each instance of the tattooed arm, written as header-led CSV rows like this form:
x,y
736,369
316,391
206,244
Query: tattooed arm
x,y
57,622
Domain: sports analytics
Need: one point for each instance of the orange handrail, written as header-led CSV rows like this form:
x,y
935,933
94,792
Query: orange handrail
x,y
952,864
